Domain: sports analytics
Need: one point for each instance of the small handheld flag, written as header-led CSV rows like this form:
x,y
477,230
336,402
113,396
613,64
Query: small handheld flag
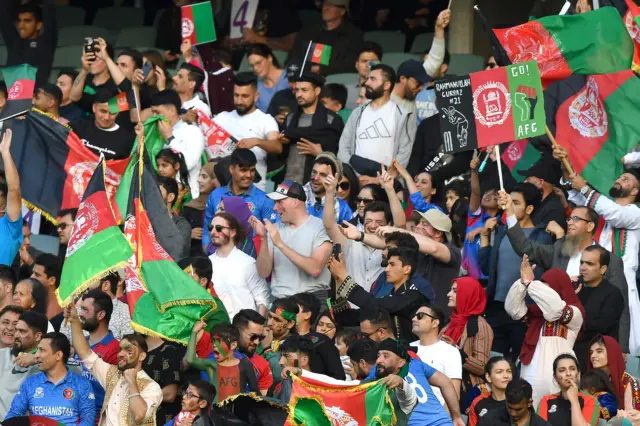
x,y
21,81
320,53
119,103
197,23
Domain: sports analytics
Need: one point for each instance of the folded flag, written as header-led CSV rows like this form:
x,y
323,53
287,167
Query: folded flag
x,y
119,103
54,165
20,81
97,246
319,402
320,53
220,143
197,23
595,42
490,107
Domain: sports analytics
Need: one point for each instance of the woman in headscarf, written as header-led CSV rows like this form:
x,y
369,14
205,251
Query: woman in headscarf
x,y
193,211
554,317
237,208
468,331
605,354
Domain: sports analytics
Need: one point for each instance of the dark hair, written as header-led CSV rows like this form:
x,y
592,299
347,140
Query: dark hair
x,y
373,47
592,216
206,390
349,337
3,89
225,332
488,367
72,212
379,206
167,97
296,343
379,194
518,390
376,316
233,224
31,8
532,196
59,343
605,256
245,79
156,60
38,294
363,349
309,303
135,55
407,256
137,340
175,157
326,313
243,157
103,95
195,74
222,56
11,308
564,356
101,302
598,340
70,72
436,312
599,381
51,90
52,266
388,73
170,185
245,316
402,239
354,185
36,321
113,278
8,275
263,50
327,162
289,305
335,91
455,186
202,266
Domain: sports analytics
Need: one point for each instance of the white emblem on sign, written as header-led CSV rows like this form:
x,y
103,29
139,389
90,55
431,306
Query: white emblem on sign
x,y
81,173
513,152
84,227
456,118
587,114
491,103
187,27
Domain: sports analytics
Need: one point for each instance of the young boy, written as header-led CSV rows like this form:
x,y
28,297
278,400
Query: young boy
x,y
334,97
228,374
344,339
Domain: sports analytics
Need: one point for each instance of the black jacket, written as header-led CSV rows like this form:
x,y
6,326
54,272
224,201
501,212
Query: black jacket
x,y
550,208
501,418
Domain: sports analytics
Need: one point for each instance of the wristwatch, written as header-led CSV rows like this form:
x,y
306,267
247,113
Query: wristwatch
x,y
526,283
361,238
585,190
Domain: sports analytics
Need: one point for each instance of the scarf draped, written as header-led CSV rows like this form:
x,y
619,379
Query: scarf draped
x,y
560,282
471,300
200,203
311,201
616,366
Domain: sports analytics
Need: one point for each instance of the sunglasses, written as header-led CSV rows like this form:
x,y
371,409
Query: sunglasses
x,y
421,315
365,200
218,228
192,395
63,225
344,186
253,337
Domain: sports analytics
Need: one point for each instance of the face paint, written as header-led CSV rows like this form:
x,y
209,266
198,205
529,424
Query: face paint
x,y
221,346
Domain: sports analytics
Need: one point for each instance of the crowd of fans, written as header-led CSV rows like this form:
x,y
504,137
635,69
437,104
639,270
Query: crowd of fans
x,y
372,257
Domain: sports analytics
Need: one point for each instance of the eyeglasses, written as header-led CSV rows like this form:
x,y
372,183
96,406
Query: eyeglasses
x,y
218,228
421,315
365,200
253,337
191,395
62,226
576,219
371,334
344,185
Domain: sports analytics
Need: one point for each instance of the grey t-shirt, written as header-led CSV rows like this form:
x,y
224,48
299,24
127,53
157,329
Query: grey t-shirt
x,y
508,266
287,279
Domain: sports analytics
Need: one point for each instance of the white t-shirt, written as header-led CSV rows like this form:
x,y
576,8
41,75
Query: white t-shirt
x,y
443,357
197,104
254,125
374,135
189,140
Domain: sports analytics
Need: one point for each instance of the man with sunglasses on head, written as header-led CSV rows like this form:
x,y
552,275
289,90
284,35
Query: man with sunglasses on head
x,y
66,219
250,325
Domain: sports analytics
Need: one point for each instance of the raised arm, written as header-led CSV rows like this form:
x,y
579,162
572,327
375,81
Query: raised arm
x,y
386,182
192,358
115,71
474,200
436,54
78,84
80,344
329,211
7,23
50,25
14,200
264,261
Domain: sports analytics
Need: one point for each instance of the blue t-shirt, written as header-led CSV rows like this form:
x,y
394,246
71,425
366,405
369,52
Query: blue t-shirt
x,y
426,104
70,402
428,411
10,239
345,212
266,93
420,205
470,260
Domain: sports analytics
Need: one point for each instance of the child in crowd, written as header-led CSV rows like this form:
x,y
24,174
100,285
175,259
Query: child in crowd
x,y
597,383
344,339
171,164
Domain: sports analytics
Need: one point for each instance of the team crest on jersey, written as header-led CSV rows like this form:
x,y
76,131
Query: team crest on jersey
x,y
586,112
491,103
251,206
68,394
553,408
39,393
483,412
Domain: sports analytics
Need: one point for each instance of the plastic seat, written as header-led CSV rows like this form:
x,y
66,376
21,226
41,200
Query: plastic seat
x,y
422,43
74,36
68,57
69,16
53,75
117,18
465,63
136,36
347,78
390,41
394,59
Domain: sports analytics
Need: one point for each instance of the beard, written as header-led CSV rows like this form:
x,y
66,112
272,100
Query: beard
x,y
221,241
90,324
570,244
127,366
382,371
374,93
242,109
408,94
617,191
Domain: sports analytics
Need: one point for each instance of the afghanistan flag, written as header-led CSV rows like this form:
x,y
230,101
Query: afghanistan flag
x,y
314,401
97,246
119,103
197,23
20,81
598,125
163,300
596,42
630,14
520,155
490,107
220,143
320,53
54,166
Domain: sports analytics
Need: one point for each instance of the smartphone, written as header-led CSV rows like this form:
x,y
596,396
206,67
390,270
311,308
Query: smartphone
x,y
89,45
146,69
337,249
577,283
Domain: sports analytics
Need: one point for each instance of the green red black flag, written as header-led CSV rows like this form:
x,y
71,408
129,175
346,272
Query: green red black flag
x,y
20,81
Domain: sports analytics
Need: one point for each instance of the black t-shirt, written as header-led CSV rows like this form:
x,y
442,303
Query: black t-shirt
x,y
115,143
71,112
441,274
483,405
163,366
326,359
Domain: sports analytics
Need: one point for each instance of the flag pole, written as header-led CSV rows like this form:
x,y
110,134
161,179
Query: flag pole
x,y
565,161
305,58
135,96
499,161
450,1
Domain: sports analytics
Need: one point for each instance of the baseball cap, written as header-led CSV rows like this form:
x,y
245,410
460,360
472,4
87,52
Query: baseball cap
x,y
288,189
545,168
413,68
339,3
439,221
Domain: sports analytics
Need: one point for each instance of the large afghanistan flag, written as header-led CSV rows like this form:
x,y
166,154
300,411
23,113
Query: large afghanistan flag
x,y
20,81
596,42
163,300
317,402
630,13
97,246
54,166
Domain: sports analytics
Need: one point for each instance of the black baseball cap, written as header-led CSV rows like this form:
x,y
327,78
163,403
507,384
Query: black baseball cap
x,y
288,189
413,68
546,168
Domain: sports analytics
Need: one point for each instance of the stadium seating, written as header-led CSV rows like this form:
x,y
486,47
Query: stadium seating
x,y
117,18
73,36
344,78
464,63
390,41
136,36
69,16
394,59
